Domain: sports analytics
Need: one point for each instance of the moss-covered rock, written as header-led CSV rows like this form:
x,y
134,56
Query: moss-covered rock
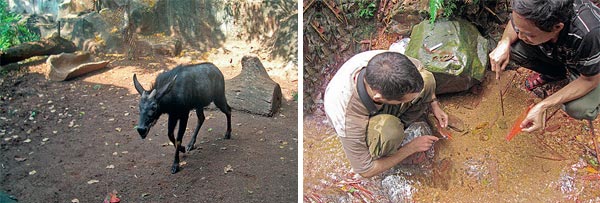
x,y
454,51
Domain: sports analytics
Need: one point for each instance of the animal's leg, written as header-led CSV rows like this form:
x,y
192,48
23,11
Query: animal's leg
x,y
170,133
200,114
182,124
221,103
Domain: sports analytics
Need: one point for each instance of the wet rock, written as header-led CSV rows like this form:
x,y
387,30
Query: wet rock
x,y
453,51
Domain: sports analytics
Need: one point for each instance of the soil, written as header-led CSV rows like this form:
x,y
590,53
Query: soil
x,y
75,141
476,165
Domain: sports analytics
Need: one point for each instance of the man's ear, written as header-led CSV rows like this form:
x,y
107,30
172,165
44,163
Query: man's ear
x,y
377,97
558,27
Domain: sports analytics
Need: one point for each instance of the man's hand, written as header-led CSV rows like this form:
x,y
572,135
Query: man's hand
x,y
534,119
421,143
439,114
500,56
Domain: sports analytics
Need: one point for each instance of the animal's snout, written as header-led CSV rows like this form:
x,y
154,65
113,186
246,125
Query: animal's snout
x,y
143,131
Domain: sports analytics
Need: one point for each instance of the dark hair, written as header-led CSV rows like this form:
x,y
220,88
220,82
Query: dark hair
x,y
544,13
393,75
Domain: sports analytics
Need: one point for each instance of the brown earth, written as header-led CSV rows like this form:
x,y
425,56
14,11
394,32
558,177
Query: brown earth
x,y
75,140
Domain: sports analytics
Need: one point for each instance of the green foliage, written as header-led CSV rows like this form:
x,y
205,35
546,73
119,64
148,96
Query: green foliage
x,y
11,31
295,95
366,9
448,8
434,6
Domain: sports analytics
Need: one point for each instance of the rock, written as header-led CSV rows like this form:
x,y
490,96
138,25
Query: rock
x,y
253,90
66,66
453,51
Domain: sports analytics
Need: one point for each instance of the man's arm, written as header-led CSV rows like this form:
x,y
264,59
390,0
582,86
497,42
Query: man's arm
x,y
576,89
439,113
419,144
500,56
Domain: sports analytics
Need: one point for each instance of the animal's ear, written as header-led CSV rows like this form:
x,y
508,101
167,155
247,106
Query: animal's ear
x,y
138,86
161,92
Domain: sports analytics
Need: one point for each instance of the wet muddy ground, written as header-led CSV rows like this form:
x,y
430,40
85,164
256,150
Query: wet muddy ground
x,y
75,141
477,165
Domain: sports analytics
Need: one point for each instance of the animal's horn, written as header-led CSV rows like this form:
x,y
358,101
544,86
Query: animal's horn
x,y
137,85
152,94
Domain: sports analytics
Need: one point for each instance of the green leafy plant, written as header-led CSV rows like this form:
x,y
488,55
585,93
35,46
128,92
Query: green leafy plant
x,y
11,31
295,95
366,9
434,6
448,8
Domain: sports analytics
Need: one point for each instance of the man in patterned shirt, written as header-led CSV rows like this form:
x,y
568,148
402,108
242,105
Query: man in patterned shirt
x,y
557,39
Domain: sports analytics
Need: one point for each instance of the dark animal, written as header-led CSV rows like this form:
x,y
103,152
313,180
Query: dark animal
x,y
176,93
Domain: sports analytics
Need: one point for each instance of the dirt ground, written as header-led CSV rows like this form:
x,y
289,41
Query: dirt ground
x,y
550,166
75,141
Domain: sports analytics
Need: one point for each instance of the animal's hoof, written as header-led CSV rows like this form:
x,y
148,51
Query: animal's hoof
x,y
182,149
175,169
190,147
227,135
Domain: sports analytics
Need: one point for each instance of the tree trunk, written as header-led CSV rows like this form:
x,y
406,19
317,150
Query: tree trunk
x,y
52,45
253,90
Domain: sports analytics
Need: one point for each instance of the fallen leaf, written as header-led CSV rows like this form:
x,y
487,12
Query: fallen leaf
x,y
54,132
223,148
145,194
118,129
227,169
124,152
75,200
92,181
110,166
32,172
209,129
182,163
45,139
27,140
20,159
115,153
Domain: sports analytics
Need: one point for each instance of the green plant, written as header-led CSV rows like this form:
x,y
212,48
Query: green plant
x,y
295,95
366,9
448,8
11,31
434,6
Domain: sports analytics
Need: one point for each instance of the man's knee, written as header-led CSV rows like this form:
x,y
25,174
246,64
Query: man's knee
x,y
385,133
580,111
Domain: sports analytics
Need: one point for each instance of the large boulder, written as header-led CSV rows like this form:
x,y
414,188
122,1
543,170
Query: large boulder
x,y
454,51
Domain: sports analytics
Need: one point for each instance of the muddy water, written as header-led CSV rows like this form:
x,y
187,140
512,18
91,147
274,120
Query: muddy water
x,y
477,165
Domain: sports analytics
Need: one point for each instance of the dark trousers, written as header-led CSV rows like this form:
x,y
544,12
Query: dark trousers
x,y
533,58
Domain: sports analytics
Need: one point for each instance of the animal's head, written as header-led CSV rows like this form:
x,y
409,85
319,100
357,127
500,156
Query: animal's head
x,y
149,105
